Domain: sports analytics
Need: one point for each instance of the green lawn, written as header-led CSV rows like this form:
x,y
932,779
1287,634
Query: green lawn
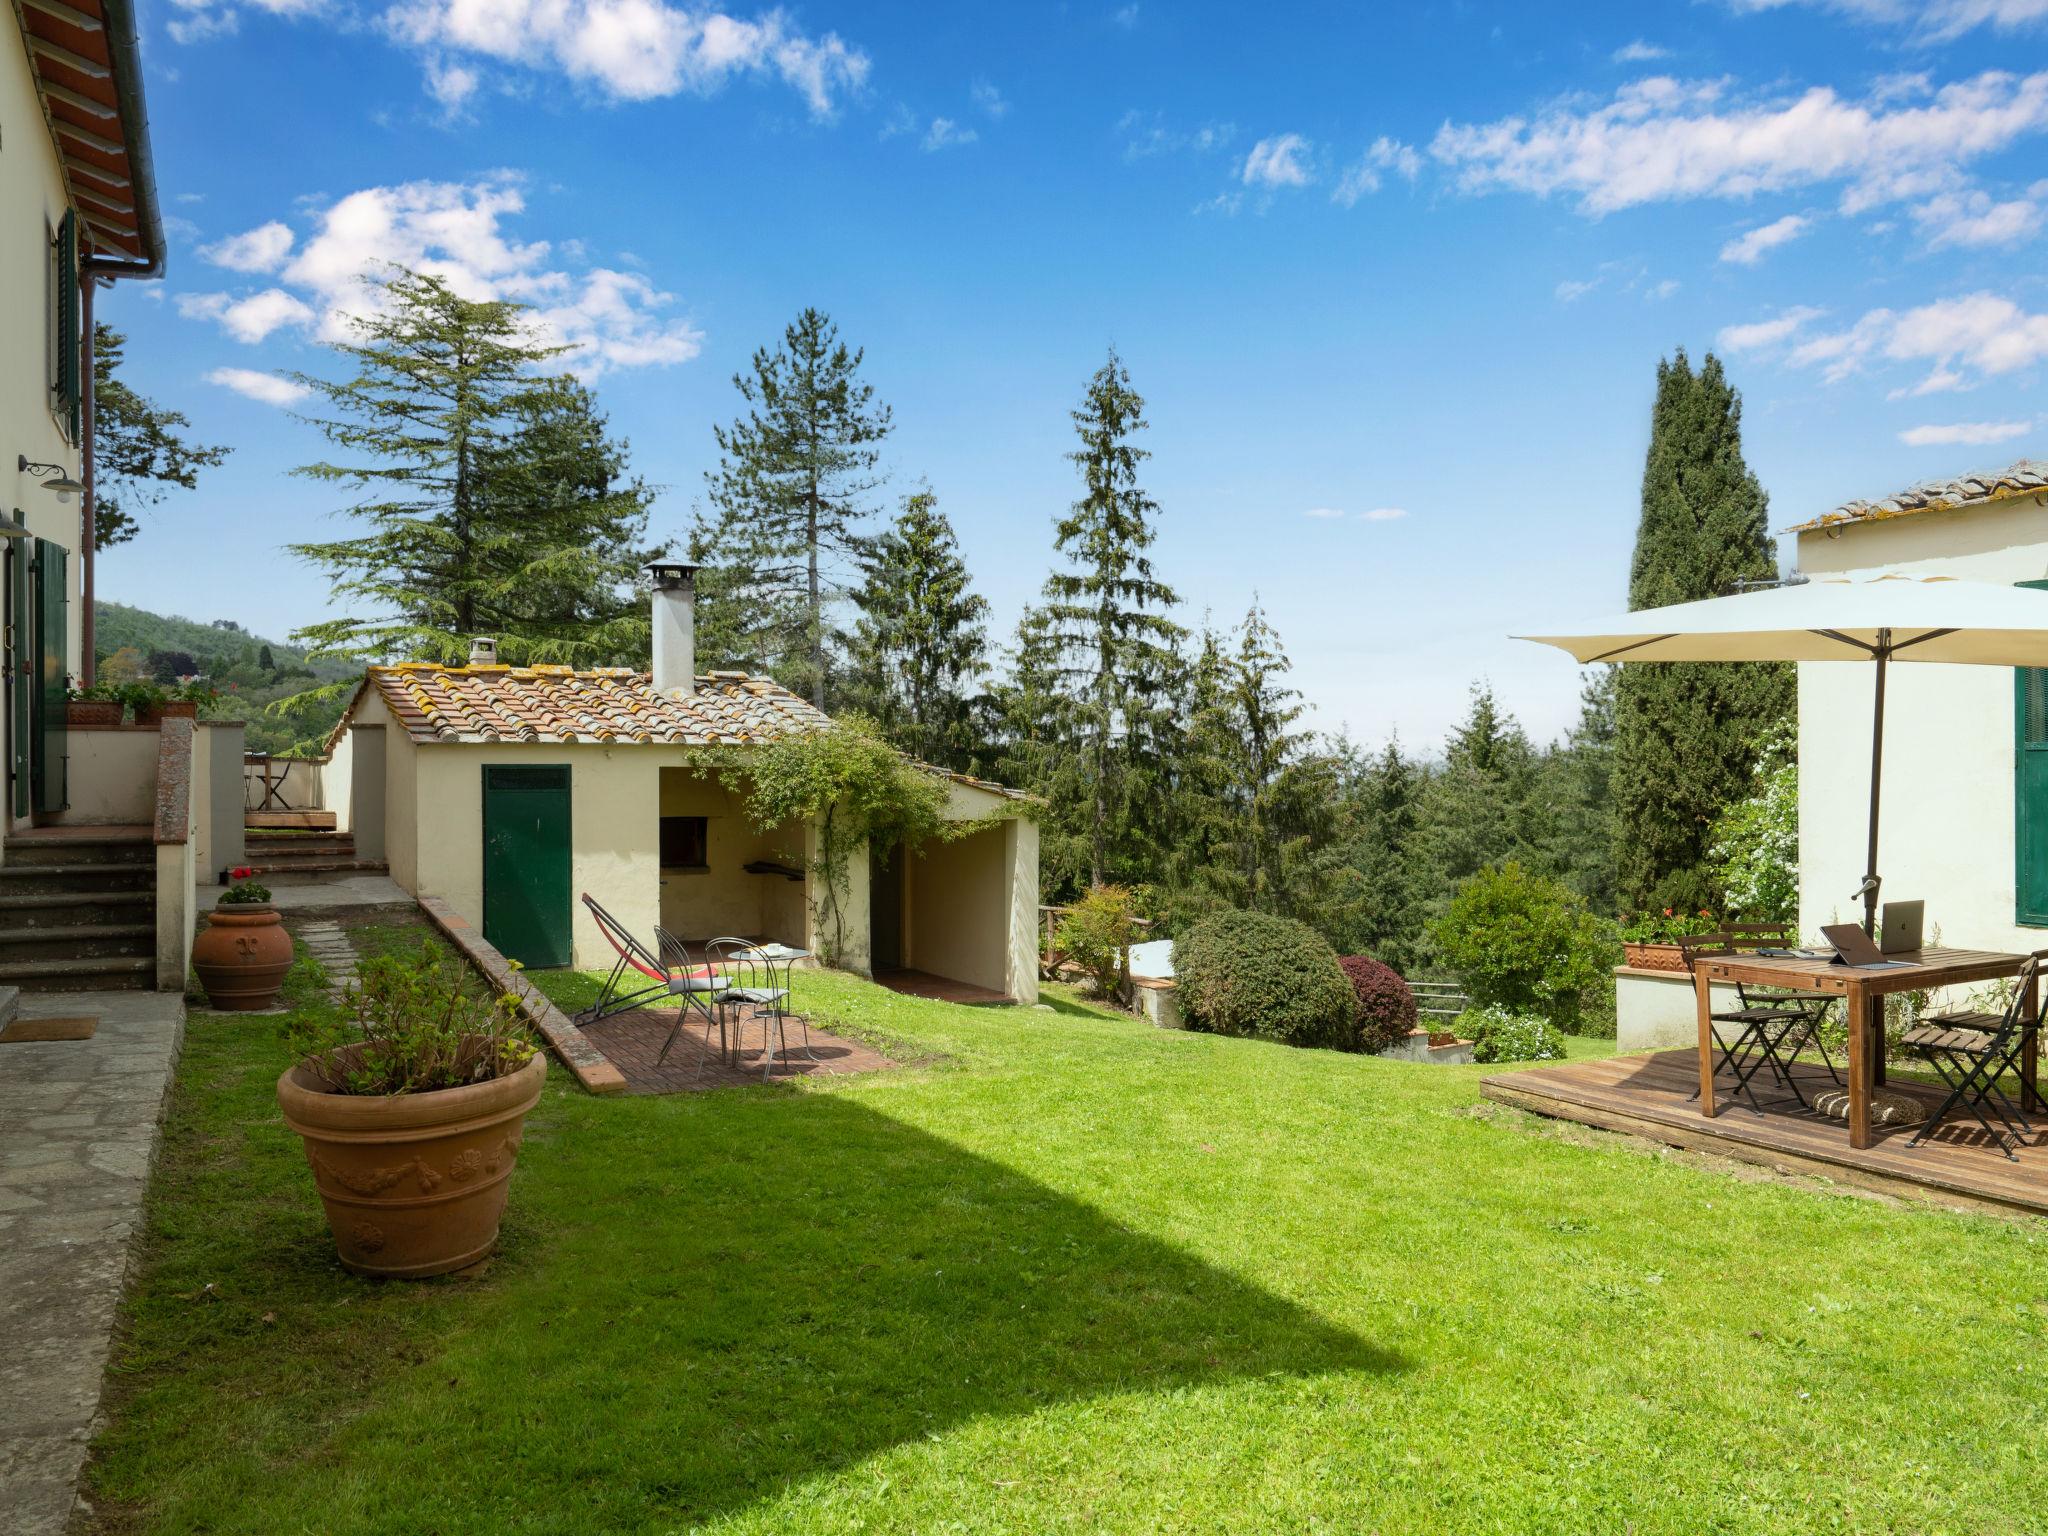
x,y
1070,1274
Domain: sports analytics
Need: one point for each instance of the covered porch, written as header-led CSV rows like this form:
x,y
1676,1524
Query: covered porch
x,y
1651,1096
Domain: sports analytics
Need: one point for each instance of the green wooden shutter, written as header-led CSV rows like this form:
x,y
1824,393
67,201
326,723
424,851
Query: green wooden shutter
x,y
2030,792
21,685
64,387
53,622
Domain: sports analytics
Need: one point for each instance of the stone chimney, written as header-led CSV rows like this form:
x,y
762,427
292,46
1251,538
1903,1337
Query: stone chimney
x,y
483,651
675,624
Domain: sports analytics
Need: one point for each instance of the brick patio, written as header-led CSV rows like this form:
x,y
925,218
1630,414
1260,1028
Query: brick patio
x,y
631,1042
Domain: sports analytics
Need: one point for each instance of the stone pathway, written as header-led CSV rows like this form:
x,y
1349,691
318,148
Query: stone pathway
x,y
328,943
78,1129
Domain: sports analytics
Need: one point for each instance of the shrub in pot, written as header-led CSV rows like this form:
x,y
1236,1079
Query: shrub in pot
x,y
243,953
1386,1003
412,1101
1265,977
98,705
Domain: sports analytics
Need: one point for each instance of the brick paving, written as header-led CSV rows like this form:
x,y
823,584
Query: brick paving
x,y
632,1041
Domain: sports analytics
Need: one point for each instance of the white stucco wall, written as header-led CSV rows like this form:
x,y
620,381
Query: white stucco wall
x,y
722,898
111,776
1946,835
956,909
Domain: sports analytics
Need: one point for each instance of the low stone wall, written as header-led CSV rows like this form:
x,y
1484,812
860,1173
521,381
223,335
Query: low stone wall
x,y
1417,1048
1158,1001
1657,1010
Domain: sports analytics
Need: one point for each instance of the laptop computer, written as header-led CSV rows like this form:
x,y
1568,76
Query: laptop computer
x,y
1900,926
1855,949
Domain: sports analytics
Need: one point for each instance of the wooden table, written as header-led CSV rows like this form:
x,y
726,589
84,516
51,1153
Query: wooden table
x,y
1863,993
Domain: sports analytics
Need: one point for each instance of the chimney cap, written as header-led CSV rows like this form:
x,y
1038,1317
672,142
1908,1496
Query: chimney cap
x,y
671,570
483,651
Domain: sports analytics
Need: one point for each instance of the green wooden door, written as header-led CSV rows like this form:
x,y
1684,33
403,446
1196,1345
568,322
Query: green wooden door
x,y
2030,792
526,864
53,623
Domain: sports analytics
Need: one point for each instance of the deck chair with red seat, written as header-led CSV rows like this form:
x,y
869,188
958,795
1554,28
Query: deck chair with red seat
x,y
639,976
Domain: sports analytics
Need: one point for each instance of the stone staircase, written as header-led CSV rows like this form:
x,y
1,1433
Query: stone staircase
x,y
78,913
301,858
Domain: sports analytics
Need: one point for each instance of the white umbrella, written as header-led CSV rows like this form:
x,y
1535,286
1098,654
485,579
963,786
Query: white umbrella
x,y
1883,616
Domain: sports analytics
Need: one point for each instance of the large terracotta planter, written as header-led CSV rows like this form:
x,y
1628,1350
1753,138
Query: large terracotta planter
x,y
414,1184
241,956
155,715
92,712
1653,957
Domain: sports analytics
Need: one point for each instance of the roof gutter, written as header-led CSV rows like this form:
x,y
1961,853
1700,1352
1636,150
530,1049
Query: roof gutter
x,y
124,58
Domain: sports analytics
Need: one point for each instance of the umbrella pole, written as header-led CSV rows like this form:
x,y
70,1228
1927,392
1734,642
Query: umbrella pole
x,y
1870,878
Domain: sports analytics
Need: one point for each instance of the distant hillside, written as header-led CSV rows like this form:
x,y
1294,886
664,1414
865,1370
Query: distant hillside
x,y
252,673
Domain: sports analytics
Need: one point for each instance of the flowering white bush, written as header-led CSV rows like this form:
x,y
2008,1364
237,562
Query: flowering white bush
x,y
1498,1035
1756,841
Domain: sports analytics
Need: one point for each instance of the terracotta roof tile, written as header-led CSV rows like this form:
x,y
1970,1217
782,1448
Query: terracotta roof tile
x,y
2029,477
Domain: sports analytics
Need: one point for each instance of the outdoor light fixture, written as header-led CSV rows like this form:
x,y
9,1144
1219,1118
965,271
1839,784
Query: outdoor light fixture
x,y
13,526
60,481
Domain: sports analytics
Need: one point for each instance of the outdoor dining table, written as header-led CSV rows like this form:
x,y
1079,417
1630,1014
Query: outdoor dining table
x,y
1863,991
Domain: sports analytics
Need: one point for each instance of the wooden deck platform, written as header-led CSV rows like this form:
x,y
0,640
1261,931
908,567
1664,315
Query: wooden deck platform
x,y
1648,1096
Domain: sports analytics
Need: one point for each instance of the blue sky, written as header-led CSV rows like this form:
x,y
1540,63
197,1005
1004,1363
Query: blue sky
x,y
1394,280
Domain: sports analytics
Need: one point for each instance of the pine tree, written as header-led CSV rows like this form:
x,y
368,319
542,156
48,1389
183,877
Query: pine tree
x,y
265,660
920,637
137,449
1685,733
1384,856
1576,789
491,498
1477,809
1114,651
790,505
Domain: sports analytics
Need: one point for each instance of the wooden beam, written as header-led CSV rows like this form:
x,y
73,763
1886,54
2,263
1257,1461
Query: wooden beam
x,y
101,200
70,15
62,55
79,99
104,178
89,139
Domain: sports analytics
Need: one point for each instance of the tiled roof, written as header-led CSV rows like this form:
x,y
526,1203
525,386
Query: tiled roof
x,y
2029,477
477,705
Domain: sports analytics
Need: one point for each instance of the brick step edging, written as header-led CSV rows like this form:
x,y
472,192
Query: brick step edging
x,y
584,1060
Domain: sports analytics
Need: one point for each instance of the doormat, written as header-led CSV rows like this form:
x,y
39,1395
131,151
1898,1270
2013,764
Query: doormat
x,y
74,1027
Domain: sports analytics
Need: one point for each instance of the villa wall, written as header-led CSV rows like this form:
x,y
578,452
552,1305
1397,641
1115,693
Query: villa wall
x,y
956,909
722,898
1947,827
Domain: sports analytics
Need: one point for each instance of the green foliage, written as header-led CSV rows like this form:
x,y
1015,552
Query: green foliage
x,y
413,1024
1383,850
244,893
1264,977
1386,1004
490,497
1685,733
1097,932
789,505
139,450
855,788
1667,926
1755,845
920,638
1523,942
1499,1034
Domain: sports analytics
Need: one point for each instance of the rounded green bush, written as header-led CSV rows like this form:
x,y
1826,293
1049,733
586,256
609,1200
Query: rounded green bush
x,y
1264,978
1498,1034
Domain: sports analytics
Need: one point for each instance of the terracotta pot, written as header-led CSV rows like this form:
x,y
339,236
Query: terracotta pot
x,y
92,712
157,714
1653,957
414,1183
241,957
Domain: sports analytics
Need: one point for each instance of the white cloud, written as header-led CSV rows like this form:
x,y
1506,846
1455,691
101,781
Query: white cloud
x,y
249,319
944,133
1325,512
1279,161
1748,248
1759,334
267,388
1365,177
1571,290
262,249
628,50
1974,218
989,99
1662,140
1147,134
194,21
1941,381
1640,52
1964,433
456,231
1980,331
1383,514
1125,16
1661,290
1927,20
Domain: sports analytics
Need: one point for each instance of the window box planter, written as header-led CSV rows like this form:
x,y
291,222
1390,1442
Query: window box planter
x,y
1652,957
92,713
414,1184
155,715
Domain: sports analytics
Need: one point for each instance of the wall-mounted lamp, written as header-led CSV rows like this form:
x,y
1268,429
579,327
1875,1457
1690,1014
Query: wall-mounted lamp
x,y
60,479
12,526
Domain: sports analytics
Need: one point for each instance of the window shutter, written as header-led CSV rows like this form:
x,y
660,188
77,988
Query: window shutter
x,y
65,384
2030,793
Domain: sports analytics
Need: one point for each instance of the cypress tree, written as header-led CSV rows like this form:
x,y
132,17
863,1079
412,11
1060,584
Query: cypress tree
x,y
1685,733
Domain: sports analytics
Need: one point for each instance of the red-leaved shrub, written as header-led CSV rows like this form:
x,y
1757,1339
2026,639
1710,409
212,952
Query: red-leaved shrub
x,y
1386,1005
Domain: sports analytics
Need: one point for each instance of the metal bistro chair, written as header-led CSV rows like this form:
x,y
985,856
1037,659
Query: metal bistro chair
x,y
1772,1025
698,985
748,974
1971,1051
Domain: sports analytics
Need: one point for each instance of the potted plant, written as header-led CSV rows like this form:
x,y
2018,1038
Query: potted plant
x,y
412,1101
98,705
1649,942
243,952
154,704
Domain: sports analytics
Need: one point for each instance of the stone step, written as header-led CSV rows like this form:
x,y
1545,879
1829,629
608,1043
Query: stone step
x,y
84,938
264,821
290,858
316,871
33,908
74,851
91,975
78,877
